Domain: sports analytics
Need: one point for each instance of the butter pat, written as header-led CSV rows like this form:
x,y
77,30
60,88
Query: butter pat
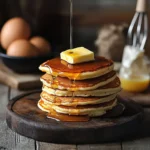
x,y
77,55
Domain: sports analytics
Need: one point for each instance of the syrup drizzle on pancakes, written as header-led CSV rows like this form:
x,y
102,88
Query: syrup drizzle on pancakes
x,y
58,70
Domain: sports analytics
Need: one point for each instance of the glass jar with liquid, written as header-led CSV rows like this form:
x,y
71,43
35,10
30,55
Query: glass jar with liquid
x,y
134,73
135,83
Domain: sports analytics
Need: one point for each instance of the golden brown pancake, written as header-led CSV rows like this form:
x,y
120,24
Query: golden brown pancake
x,y
84,89
74,101
90,110
87,70
64,83
111,88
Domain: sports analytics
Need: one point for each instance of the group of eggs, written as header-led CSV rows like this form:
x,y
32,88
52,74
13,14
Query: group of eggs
x,y
15,38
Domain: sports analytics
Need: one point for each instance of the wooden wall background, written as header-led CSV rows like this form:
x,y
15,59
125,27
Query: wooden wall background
x,y
50,18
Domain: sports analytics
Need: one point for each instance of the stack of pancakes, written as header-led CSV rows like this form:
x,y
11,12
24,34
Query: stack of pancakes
x,y
88,88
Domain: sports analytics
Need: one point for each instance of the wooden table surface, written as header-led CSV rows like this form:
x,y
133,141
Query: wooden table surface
x,y
10,140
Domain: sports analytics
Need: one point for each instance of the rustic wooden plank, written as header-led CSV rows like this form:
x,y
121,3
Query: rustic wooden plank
x,y
17,141
107,146
83,147
51,146
8,139
3,127
140,144
3,99
18,81
5,136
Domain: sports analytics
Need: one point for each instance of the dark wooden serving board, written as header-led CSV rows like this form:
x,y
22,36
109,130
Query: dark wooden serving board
x,y
24,117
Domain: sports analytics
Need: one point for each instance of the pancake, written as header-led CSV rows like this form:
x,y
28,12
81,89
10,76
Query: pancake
x,y
90,110
64,83
74,101
78,91
111,88
87,70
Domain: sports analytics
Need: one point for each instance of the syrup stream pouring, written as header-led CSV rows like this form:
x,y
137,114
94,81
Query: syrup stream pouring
x,y
71,24
138,29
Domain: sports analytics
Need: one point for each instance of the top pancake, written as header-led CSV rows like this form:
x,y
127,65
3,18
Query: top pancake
x,y
87,70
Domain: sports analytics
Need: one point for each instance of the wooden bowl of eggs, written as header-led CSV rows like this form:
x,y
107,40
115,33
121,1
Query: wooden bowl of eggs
x,y
19,51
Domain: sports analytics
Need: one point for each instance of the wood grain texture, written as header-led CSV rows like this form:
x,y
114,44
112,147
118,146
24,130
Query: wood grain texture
x,y
20,142
5,137
51,146
141,144
3,99
83,147
18,81
3,126
11,141
108,146
8,139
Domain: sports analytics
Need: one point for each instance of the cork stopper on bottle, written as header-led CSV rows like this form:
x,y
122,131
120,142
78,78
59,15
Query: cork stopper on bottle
x,y
141,6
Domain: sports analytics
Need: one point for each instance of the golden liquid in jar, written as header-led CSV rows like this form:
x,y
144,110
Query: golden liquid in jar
x,y
135,84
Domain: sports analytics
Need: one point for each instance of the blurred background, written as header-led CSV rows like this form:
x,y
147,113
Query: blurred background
x,y
50,19
99,25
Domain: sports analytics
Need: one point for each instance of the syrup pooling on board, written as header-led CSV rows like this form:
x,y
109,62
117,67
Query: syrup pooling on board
x,y
62,117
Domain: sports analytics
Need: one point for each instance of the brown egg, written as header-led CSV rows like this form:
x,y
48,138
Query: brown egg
x,y
14,29
22,48
42,44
